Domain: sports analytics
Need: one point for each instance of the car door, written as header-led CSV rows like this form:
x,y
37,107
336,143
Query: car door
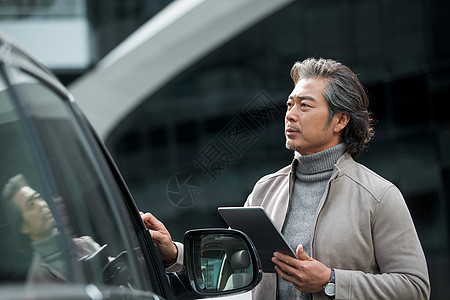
x,y
97,248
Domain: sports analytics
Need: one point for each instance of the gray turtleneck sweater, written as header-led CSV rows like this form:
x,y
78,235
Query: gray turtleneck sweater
x,y
312,175
51,252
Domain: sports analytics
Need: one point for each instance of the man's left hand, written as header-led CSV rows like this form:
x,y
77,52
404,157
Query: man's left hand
x,y
306,273
161,237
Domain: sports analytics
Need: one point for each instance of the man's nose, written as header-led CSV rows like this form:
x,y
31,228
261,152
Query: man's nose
x,y
291,115
42,204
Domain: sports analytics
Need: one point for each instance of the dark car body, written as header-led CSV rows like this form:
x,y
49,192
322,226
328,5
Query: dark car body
x,y
45,137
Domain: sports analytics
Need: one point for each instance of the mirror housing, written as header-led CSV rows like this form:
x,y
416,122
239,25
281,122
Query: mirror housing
x,y
219,262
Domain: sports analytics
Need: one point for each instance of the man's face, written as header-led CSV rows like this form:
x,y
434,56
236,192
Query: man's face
x,y
38,220
307,129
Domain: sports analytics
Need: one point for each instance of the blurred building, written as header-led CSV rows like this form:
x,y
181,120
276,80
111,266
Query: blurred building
x,y
71,36
191,104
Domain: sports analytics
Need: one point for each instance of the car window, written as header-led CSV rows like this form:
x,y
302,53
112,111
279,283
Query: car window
x,y
61,221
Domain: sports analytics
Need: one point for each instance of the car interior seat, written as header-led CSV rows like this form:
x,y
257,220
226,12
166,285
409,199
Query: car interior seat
x,y
240,261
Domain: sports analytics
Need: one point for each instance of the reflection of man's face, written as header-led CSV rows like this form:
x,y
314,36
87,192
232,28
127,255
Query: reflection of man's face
x,y
38,221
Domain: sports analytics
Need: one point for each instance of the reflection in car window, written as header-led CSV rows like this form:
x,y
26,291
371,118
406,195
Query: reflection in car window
x,y
34,224
85,244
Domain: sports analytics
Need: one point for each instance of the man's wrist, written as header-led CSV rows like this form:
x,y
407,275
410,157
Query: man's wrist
x,y
330,288
172,259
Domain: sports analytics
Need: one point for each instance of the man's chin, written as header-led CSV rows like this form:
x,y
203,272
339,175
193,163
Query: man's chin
x,y
290,146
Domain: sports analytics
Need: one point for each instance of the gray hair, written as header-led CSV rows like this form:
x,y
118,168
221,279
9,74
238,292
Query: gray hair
x,y
13,215
13,185
344,94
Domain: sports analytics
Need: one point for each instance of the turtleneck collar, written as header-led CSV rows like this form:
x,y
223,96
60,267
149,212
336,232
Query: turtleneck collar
x,y
49,246
319,162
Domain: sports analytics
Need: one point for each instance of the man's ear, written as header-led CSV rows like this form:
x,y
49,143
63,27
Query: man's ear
x,y
342,121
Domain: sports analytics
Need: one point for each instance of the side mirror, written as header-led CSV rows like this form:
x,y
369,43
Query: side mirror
x,y
220,262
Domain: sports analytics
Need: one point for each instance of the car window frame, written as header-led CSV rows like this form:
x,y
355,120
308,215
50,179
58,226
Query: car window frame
x,y
150,252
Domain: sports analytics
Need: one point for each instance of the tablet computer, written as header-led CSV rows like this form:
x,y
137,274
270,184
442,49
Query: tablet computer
x,y
257,224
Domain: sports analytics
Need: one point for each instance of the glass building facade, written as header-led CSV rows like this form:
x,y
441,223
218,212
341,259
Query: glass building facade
x,y
208,135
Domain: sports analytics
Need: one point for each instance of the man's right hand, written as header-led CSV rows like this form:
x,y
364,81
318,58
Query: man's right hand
x,y
161,237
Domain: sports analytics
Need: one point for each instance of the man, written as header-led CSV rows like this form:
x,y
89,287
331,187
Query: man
x,y
28,213
354,236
